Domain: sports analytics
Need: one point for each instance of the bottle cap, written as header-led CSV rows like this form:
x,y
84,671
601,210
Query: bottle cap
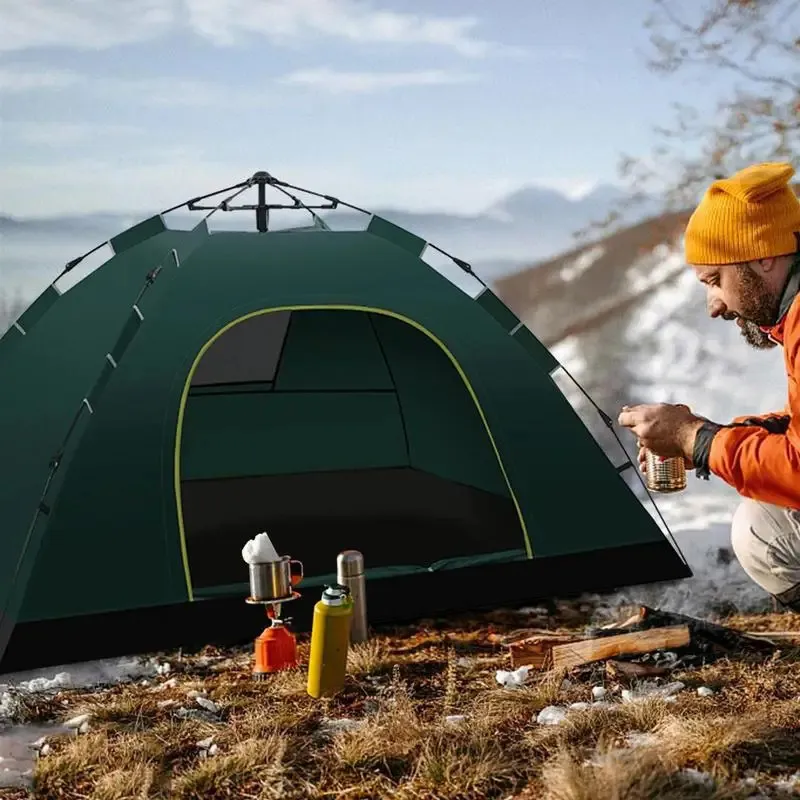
x,y
349,563
335,595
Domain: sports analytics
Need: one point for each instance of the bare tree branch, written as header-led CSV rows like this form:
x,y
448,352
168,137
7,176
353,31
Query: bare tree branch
x,y
757,43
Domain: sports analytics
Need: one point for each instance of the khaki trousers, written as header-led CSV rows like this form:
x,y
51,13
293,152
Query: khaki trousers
x,y
766,540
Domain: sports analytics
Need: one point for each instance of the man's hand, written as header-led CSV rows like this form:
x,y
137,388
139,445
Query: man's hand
x,y
666,430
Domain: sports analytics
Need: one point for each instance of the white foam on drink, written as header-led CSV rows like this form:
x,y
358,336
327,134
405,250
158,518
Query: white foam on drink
x,y
260,550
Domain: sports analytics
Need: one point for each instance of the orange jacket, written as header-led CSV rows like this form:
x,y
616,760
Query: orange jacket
x,y
760,455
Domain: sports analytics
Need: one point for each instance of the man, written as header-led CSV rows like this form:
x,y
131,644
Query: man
x,y
743,243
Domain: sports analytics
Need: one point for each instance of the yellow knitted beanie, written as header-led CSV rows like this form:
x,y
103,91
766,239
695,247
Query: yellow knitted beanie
x,y
753,214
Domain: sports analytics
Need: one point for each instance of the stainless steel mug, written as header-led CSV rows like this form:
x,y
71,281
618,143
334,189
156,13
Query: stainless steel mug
x,y
274,580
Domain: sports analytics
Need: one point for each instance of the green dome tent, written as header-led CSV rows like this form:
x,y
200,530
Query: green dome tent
x,y
329,387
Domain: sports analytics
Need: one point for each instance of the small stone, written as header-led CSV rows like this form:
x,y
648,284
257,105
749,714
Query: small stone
x,y
44,750
204,744
552,715
704,691
208,705
513,679
579,706
193,694
455,719
84,728
599,692
213,750
76,722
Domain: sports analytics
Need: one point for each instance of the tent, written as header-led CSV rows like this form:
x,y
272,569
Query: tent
x,y
329,387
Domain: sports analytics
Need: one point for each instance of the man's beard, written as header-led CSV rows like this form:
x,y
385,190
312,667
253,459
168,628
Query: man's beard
x,y
759,309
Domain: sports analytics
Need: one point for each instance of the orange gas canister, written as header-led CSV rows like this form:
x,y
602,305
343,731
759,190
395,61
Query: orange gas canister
x,y
276,649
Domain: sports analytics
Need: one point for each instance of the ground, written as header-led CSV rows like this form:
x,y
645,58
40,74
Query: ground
x,y
422,715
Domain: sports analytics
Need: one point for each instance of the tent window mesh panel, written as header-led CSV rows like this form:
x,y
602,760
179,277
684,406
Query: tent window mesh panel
x,y
246,353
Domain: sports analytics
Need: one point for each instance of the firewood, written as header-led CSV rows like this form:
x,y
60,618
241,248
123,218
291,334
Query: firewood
x,y
635,619
573,654
535,650
721,637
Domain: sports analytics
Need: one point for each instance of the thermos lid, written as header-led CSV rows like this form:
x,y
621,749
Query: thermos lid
x,y
349,563
335,595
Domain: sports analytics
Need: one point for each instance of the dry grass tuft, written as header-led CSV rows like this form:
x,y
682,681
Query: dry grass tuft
x,y
734,743
128,709
99,760
501,704
470,760
387,739
136,783
636,775
252,768
369,658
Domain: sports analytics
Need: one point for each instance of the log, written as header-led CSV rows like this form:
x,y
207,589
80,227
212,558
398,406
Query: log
x,y
573,654
630,622
535,650
724,638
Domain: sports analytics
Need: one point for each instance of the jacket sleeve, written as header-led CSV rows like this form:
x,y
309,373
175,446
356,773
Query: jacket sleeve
x,y
775,421
758,456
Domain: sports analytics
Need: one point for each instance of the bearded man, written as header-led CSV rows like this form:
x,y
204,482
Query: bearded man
x,y
743,243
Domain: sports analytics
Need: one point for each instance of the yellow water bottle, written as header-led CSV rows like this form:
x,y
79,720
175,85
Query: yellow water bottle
x,y
330,639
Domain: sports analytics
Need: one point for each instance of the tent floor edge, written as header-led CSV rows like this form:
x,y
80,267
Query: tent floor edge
x,y
396,600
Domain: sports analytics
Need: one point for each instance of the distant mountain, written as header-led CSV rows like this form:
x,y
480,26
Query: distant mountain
x,y
530,224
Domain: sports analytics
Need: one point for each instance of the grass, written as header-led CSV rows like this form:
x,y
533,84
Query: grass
x,y
273,741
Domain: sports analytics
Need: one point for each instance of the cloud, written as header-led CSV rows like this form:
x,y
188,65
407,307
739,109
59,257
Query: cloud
x,y
65,134
161,91
337,82
283,21
101,24
83,24
14,80
172,92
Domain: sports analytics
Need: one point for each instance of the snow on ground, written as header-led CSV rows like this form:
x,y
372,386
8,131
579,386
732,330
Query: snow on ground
x,y
579,265
18,743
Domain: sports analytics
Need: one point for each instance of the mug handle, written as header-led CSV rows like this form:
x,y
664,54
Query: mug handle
x,y
297,575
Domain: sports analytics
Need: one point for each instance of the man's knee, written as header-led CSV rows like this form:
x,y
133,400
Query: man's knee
x,y
766,541
748,546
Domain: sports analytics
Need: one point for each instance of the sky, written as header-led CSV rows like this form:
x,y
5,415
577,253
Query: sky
x,y
119,105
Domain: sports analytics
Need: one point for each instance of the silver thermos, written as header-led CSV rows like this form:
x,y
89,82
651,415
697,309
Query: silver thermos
x,y
350,573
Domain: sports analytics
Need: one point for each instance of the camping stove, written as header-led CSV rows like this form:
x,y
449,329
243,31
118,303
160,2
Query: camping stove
x,y
271,585
276,647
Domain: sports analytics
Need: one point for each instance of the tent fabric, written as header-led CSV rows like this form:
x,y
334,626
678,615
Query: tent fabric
x,y
300,367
